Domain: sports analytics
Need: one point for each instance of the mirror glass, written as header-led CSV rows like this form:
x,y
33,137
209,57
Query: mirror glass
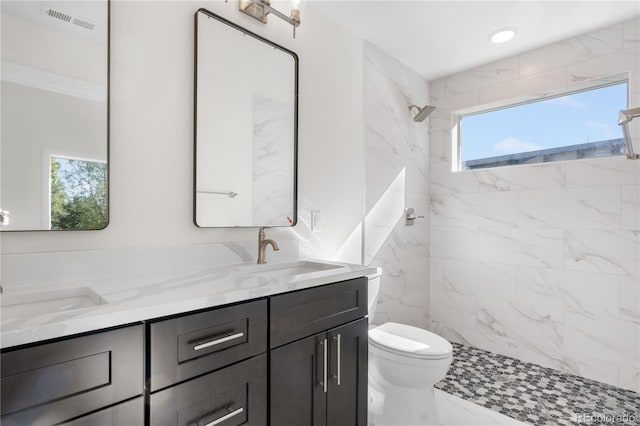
x,y
54,100
245,127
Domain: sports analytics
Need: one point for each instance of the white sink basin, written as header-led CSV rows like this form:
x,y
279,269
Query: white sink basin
x,y
28,304
298,267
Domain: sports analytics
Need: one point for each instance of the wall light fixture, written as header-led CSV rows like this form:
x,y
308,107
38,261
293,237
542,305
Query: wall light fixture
x,y
259,9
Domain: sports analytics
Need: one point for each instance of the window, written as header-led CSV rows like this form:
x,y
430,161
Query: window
x,y
581,124
78,195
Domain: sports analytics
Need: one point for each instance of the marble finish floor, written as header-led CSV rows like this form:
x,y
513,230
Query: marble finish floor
x,y
534,394
453,411
456,411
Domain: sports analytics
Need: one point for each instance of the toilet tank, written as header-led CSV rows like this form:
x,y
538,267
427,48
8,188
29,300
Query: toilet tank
x,y
372,291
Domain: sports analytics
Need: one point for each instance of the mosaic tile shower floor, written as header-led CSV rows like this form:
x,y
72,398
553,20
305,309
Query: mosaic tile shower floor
x,y
534,394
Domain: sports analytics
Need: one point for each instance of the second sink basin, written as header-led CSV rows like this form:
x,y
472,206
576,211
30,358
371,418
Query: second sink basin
x,y
29,304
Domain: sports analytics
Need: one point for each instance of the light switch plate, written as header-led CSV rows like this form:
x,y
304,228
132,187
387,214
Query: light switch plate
x,y
316,216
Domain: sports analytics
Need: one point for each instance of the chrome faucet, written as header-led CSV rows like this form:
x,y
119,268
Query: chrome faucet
x,y
262,245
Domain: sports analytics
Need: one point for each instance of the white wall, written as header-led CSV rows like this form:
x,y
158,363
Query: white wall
x,y
151,199
35,124
397,171
540,262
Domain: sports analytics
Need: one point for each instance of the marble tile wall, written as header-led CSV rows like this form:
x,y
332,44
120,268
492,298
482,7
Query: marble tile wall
x,y
540,262
397,173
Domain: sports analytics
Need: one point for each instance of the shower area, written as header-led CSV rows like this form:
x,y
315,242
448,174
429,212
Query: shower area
x,y
524,268
540,262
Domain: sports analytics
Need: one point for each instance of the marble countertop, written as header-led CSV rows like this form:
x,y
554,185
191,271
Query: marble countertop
x,y
130,299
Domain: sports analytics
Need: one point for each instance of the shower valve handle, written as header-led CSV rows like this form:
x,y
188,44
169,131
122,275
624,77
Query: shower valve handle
x,y
410,216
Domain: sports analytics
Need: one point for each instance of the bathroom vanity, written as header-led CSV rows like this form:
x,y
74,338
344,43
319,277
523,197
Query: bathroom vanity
x,y
326,325
295,354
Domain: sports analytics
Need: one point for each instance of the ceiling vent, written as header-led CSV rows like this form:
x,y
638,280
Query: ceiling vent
x,y
84,24
65,17
58,15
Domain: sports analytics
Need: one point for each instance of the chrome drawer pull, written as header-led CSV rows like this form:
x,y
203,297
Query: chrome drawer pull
x,y
218,341
339,356
223,418
324,374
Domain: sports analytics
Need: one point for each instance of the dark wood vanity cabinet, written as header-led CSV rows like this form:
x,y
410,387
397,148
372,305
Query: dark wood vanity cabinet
x,y
210,368
300,356
312,387
320,379
60,381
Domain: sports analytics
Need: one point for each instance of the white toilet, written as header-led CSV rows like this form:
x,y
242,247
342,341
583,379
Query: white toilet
x,y
404,364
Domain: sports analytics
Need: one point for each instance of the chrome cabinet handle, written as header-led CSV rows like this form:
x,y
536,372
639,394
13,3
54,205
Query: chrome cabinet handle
x,y
217,341
339,339
324,371
223,418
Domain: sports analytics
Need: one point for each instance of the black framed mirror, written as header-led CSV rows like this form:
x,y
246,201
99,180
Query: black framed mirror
x,y
245,127
55,114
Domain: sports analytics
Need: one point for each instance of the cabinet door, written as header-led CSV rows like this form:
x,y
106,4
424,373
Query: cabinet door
x,y
298,372
53,382
347,396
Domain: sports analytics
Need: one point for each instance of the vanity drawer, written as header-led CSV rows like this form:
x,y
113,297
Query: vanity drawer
x,y
303,313
53,382
130,413
235,395
188,346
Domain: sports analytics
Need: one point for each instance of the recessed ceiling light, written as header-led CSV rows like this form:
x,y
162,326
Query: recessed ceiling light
x,y
502,35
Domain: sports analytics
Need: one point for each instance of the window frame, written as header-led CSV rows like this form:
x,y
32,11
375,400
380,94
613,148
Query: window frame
x,y
583,86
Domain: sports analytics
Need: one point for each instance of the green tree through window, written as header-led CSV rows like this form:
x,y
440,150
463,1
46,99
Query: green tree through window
x,y
78,194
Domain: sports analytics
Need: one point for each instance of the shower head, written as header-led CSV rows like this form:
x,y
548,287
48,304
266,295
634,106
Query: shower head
x,y
423,112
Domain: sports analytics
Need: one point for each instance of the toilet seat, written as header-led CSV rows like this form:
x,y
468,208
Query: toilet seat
x,y
409,341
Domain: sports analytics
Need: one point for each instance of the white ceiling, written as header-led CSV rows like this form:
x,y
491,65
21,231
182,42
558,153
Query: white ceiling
x,y
439,38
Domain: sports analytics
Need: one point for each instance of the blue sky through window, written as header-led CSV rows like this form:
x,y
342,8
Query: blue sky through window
x,y
582,117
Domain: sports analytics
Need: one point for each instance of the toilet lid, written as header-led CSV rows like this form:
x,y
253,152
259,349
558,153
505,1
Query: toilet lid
x,y
409,341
